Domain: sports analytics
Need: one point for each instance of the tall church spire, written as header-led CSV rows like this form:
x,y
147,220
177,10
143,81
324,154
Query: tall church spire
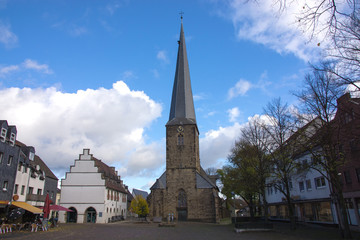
x,y
182,109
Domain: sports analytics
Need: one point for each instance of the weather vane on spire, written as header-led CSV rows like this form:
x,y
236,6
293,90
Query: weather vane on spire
x,y
181,14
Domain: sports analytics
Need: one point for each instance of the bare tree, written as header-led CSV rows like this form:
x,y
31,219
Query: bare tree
x,y
257,137
340,23
346,51
319,101
280,128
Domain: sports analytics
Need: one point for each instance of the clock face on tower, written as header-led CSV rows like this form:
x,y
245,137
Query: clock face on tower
x,y
180,129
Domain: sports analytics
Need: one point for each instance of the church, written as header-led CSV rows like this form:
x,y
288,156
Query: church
x,y
184,189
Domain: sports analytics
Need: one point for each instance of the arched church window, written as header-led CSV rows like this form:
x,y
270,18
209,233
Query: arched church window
x,y
182,201
180,139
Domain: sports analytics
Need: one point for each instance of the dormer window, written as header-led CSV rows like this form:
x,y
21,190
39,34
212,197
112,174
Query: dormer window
x,y
31,156
3,134
12,138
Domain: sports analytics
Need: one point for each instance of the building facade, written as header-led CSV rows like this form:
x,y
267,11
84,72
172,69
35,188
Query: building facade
x,y
93,191
25,178
348,119
184,189
9,156
310,192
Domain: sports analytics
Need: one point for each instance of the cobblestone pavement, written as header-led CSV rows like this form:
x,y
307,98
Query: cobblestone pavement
x,y
182,231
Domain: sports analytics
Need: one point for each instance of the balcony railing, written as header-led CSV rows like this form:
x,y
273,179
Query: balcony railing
x,y
35,197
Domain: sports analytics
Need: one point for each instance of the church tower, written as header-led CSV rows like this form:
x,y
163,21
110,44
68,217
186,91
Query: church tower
x,y
184,189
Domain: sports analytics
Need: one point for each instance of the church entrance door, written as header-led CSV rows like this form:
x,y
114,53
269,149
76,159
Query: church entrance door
x,y
182,214
182,206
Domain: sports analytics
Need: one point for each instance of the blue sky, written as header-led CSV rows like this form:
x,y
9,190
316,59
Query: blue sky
x,y
99,75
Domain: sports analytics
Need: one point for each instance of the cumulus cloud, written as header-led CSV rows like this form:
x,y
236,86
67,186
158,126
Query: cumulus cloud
x,y
240,88
111,122
7,37
215,146
262,22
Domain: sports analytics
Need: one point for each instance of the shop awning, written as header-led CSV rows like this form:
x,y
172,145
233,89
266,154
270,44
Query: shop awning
x,y
27,207
4,202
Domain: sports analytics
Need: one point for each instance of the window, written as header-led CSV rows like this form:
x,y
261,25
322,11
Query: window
x,y
180,139
301,186
1,156
39,191
9,160
31,156
5,185
22,189
290,185
347,177
16,188
12,138
320,182
3,134
31,189
308,185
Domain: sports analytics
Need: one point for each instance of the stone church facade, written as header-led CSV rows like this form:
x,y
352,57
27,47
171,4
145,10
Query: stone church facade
x,y
184,189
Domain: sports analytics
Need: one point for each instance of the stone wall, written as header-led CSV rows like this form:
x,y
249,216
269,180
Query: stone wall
x,y
186,155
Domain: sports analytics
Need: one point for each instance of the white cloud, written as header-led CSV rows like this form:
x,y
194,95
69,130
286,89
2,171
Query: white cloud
x,y
240,88
212,113
8,69
200,96
233,114
262,22
28,64
32,64
162,56
146,159
216,145
111,122
8,38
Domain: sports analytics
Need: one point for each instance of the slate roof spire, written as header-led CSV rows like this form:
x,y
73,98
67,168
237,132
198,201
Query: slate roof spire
x,y
182,109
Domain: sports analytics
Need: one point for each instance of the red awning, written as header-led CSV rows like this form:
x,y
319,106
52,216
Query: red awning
x,y
58,208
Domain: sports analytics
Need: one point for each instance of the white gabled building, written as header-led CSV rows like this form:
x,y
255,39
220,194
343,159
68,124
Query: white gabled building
x,y
310,192
94,192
